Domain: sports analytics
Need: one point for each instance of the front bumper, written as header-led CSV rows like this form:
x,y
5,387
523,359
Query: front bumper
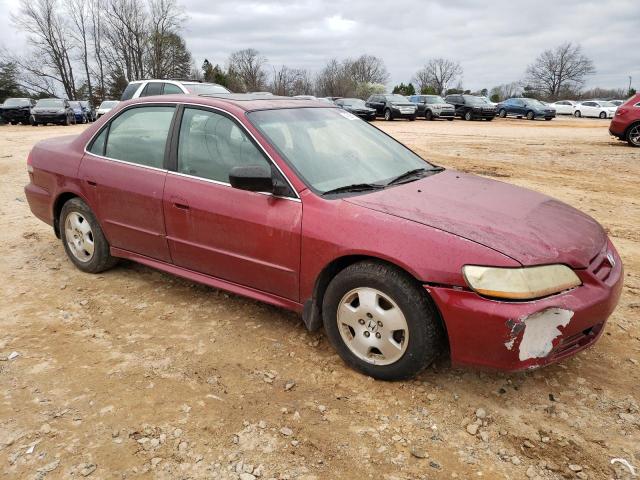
x,y
403,114
15,116
49,118
444,113
489,333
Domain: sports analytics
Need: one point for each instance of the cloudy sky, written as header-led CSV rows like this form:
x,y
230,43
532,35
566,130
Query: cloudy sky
x,y
493,40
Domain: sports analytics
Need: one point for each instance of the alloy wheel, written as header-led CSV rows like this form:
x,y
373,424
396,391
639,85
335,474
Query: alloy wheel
x,y
634,135
79,236
372,326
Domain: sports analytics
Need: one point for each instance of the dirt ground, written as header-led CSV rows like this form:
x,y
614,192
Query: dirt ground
x,y
137,374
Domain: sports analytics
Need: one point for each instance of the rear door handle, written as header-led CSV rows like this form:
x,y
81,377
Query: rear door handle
x,y
181,206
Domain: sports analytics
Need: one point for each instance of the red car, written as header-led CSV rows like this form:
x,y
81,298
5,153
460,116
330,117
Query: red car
x,y
626,122
303,205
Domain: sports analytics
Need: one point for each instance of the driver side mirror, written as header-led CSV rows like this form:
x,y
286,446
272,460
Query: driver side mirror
x,y
253,178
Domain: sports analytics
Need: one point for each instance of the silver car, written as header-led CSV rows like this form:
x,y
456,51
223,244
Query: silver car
x,y
433,106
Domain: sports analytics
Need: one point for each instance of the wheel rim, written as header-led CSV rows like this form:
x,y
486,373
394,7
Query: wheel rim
x,y
530,116
79,236
372,326
634,135
603,115
387,115
467,116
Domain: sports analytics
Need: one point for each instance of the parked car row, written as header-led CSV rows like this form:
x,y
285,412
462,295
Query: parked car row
x,y
51,110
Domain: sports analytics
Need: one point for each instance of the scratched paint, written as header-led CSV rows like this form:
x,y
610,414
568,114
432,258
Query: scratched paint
x,y
540,330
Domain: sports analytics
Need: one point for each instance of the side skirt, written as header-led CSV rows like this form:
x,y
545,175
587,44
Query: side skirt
x,y
210,281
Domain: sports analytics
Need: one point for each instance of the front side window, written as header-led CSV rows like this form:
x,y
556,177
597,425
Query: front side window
x,y
210,145
171,89
129,91
152,88
330,148
139,135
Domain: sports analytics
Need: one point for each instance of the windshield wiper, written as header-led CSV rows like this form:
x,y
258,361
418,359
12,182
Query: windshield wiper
x,y
356,187
413,174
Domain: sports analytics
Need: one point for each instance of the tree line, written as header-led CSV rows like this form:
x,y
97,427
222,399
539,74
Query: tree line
x,y
91,49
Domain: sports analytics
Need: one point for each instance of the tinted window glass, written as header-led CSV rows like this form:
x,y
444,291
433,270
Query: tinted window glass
x,y
205,88
97,147
152,88
129,91
139,135
210,145
171,89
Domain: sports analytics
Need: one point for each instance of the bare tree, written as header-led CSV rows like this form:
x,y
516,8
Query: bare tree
x,y
247,66
335,80
166,18
49,36
368,69
127,35
438,73
504,91
290,81
564,67
79,13
97,33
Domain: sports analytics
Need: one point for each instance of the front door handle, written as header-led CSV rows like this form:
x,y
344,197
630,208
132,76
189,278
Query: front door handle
x,y
179,202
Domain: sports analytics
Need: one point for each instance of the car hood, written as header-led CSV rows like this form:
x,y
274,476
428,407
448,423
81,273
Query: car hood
x,y
529,227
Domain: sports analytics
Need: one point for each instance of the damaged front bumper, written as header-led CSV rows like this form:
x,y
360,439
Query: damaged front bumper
x,y
514,336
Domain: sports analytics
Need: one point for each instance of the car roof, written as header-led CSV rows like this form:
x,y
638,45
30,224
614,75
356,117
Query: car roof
x,y
242,101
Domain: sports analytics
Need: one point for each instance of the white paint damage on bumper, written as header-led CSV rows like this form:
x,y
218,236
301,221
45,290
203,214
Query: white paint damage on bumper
x,y
540,330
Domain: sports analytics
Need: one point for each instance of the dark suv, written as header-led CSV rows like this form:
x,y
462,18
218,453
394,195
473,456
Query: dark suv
x,y
525,107
15,110
392,106
471,107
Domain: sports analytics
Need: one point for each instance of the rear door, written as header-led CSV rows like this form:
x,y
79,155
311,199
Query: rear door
x,y
248,238
124,175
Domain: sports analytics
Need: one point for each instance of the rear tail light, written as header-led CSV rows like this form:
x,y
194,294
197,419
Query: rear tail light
x,y
621,111
29,163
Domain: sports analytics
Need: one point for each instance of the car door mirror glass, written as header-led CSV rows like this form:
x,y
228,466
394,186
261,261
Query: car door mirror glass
x,y
253,178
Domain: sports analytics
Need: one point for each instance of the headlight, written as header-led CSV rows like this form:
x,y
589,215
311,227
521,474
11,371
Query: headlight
x,y
520,283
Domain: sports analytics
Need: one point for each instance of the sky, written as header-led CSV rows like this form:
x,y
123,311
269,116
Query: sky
x,y
494,40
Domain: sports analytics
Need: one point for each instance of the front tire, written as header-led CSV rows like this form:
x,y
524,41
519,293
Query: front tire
x,y
388,116
83,239
577,114
381,322
531,115
502,113
428,115
468,116
603,115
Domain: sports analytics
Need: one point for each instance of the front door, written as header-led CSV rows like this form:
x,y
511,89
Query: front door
x,y
251,239
124,177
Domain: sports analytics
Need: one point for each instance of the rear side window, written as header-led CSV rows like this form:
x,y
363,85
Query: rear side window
x,y
139,135
129,91
152,88
210,145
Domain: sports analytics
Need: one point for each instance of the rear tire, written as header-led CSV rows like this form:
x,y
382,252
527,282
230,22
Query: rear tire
x,y
357,304
633,135
388,116
83,239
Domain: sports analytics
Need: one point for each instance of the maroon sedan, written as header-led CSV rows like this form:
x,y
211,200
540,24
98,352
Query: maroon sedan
x,y
305,206
626,122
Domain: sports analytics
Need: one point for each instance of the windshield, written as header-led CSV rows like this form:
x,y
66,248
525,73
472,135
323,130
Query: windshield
x,y
331,148
352,102
205,88
471,100
607,104
50,102
397,99
435,99
16,102
108,104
